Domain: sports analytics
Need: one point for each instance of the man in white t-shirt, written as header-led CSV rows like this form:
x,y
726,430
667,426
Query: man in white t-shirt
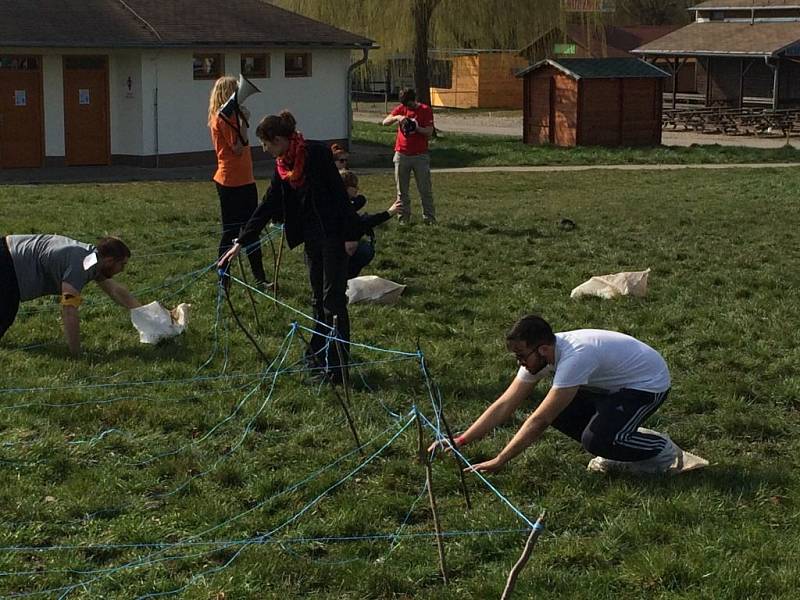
x,y
605,385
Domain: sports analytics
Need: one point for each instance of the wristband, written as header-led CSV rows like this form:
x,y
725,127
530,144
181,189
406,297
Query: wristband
x,y
71,300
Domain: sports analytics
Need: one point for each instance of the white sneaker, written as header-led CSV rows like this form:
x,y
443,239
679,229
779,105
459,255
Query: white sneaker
x,y
667,461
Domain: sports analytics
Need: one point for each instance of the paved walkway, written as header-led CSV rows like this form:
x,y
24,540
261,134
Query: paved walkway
x,y
509,123
77,175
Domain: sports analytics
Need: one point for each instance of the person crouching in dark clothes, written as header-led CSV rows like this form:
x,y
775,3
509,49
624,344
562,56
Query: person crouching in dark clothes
x,y
366,247
308,196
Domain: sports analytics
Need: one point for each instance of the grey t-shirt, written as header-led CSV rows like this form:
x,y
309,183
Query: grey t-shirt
x,y
44,262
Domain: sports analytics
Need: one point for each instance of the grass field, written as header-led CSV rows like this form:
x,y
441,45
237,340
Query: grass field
x,y
138,490
374,147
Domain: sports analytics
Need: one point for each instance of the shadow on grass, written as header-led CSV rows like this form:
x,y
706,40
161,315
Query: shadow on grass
x,y
748,483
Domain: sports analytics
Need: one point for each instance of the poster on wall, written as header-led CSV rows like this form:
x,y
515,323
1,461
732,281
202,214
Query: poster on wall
x,y
83,96
20,98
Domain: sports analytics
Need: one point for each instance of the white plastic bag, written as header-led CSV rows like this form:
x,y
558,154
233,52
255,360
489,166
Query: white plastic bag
x,y
369,288
155,323
610,286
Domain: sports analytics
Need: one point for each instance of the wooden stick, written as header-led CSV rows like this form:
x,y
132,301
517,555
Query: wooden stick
x,y
440,407
278,263
538,527
462,479
344,402
422,456
249,293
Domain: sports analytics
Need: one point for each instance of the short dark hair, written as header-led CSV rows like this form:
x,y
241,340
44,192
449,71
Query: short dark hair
x,y
407,95
112,247
533,330
272,126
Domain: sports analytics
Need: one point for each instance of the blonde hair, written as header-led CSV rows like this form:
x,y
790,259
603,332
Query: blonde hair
x,y
224,87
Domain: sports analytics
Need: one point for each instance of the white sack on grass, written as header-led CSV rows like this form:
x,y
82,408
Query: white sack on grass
x,y
155,323
611,286
369,288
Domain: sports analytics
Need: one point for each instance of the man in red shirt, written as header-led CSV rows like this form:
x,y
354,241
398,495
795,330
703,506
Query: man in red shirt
x,y
414,122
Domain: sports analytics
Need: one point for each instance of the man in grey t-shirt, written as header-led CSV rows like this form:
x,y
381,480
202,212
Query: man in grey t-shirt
x,y
32,266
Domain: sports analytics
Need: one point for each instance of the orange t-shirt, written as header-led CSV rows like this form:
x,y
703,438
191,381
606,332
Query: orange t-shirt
x,y
232,170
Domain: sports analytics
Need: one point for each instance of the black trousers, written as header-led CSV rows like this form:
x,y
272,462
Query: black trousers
x,y
236,205
9,289
327,272
362,257
606,424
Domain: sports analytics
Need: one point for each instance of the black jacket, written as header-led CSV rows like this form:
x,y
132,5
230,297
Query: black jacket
x,y
320,210
368,221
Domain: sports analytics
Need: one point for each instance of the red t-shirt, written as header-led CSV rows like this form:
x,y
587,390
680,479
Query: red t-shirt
x,y
416,143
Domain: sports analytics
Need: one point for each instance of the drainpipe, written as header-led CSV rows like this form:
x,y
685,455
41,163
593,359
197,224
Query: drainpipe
x,y
155,114
349,92
775,81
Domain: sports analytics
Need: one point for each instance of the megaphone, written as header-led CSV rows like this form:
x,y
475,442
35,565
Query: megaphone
x,y
244,89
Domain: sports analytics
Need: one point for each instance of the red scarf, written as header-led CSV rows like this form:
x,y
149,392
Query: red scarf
x,y
290,165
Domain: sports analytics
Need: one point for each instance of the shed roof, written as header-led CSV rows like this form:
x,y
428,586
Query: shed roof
x,y
606,40
757,4
160,23
599,68
726,38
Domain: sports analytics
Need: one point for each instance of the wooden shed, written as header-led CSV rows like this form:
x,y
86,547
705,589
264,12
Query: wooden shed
x,y
477,79
592,102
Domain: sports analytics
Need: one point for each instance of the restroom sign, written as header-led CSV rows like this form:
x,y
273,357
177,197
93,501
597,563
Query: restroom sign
x,y
20,98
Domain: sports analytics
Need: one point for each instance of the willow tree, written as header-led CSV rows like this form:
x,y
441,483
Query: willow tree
x,y
401,26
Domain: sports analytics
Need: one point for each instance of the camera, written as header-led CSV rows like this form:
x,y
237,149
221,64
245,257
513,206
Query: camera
x,y
408,126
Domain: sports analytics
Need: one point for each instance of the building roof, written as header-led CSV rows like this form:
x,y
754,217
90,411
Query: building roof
x,y
739,4
599,68
609,41
716,38
163,23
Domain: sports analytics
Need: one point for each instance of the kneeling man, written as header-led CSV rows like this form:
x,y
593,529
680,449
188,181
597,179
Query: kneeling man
x,y
605,385
53,265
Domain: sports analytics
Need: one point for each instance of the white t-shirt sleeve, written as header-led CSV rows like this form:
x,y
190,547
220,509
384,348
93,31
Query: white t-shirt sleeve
x,y
524,375
575,370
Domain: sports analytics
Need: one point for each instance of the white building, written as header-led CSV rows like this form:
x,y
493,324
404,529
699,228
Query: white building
x,y
98,82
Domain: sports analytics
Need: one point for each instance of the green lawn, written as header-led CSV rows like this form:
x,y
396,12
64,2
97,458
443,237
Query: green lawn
x,y
157,484
374,145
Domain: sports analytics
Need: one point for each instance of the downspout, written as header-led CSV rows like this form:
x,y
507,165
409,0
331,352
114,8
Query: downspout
x,y
775,82
349,92
155,113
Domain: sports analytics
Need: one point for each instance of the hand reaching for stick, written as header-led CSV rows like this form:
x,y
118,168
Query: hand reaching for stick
x,y
229,255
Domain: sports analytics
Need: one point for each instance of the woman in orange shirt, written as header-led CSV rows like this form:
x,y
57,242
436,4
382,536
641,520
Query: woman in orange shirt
x,y
236,186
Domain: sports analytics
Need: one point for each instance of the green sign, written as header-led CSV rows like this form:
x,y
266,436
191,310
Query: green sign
x,y
564,49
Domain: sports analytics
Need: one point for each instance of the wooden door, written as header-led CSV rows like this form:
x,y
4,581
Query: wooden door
x,y
86,118
21,120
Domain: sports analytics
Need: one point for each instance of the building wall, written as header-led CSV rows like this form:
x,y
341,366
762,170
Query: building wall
x,y
624,112
551,111
499,87
319,102
126,105
464,90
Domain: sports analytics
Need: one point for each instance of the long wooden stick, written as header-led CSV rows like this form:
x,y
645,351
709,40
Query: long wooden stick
x,y
538,527
344,402
278,263
249,293
422,455
436,397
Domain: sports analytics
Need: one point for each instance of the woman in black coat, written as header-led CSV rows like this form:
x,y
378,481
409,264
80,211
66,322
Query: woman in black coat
x,y
308,196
